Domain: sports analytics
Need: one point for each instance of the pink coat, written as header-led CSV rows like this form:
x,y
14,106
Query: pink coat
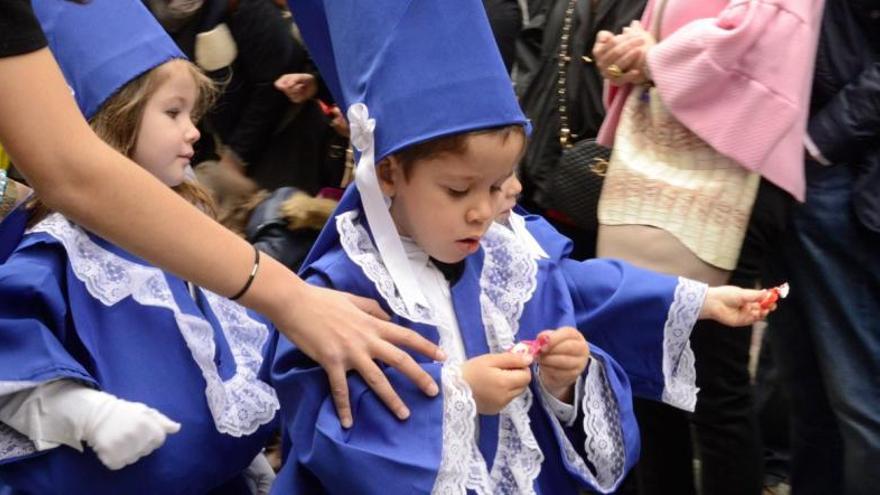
x,y
738,74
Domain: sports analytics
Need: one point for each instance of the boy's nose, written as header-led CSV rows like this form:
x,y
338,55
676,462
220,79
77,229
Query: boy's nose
x,y
482,211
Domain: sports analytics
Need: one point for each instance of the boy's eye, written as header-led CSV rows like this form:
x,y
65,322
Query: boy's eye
x,y
173,113
495,189
456,193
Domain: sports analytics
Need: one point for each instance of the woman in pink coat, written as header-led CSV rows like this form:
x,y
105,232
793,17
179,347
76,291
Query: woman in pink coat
x,y
707,106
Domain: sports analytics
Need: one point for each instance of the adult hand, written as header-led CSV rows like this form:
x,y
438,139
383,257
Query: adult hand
x,y
735,306
497,379
342,332
563,361
297,87
338,122
622,59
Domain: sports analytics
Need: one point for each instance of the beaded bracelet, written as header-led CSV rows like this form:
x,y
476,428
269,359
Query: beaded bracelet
x,y
250,280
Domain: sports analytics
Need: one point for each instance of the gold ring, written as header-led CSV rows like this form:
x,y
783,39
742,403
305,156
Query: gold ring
x,y
614,71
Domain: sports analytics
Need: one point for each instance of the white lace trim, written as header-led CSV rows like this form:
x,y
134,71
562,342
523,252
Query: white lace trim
x,y
679,373
518,225
604,446
508,280
239,405
360,249
462,466
13,443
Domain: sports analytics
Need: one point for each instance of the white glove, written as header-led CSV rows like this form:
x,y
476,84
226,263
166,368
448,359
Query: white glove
x,y
259,476
67,412
121,432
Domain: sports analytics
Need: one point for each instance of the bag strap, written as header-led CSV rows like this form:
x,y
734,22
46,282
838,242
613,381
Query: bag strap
x,y
657,17
565,135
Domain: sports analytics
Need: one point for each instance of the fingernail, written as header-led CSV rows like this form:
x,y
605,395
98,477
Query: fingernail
x,y
441,356
403,413
528,358
346,422
433,390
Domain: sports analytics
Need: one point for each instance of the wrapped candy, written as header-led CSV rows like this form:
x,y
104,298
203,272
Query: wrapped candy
x,y
533,347
776,293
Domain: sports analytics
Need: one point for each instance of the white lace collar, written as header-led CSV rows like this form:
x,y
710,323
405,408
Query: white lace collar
x,y
359,247
239,405
517,223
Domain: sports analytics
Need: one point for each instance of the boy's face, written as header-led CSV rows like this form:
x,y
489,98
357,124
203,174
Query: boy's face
x,y
450,200
165,141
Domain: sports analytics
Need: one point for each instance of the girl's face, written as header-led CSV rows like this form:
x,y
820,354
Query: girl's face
x,y
165,141
449,201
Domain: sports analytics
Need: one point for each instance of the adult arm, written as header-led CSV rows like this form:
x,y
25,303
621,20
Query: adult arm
x,y
78,174
751,67
739,80
850,122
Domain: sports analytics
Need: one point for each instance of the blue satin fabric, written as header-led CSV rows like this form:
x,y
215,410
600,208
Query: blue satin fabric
x,y
618,307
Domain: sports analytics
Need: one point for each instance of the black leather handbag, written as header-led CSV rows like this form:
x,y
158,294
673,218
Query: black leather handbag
x,y
576,181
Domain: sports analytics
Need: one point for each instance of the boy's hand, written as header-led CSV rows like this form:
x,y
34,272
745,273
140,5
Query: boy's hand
x,y
735,306
496,379
563,361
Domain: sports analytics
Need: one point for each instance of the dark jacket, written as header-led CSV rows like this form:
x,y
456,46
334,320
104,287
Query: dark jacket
x,y
267,229
505,17
845,108
251,109
536,78
282,144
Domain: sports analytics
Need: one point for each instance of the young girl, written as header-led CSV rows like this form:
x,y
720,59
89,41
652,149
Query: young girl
x,y
429,98
161,381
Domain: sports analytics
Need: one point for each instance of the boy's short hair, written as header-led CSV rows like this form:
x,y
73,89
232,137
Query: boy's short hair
x,y
454,144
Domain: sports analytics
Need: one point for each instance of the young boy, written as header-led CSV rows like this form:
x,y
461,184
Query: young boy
x,y
429,98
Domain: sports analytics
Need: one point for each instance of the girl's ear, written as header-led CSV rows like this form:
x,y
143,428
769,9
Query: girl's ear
x,y
389,172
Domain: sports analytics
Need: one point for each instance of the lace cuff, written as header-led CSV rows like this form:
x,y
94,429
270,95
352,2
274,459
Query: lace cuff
x,y
679,374
604,447
565,413
12,443
462,467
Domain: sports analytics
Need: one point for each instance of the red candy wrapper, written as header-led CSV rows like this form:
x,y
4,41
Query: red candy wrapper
x,y
326,109
533,347
776,293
